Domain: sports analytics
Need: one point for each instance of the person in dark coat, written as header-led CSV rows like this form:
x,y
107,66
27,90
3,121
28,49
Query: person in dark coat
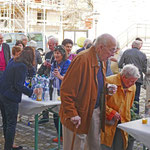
x,y
11,89
46,68
4,54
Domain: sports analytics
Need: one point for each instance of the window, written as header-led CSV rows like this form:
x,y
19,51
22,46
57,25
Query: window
x,y
3,13
40,17
36,37
7,38
19,37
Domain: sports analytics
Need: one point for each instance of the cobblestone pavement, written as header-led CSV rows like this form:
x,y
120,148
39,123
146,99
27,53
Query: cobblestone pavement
x,y
47,131
25,135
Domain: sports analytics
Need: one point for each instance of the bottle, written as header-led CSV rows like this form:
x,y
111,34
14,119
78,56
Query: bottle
x,y
55,94
26,83
39,95
51,89
44,87
46,95
30,83
34,83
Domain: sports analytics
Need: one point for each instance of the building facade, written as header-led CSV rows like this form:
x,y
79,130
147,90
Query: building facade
x,y
50,17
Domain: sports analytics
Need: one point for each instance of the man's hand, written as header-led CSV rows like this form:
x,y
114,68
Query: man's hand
x,y
76,121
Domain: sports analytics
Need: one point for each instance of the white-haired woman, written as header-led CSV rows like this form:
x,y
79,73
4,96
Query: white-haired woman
x,y
118,108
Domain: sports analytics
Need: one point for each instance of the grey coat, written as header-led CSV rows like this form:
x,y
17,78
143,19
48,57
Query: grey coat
x,y
136,57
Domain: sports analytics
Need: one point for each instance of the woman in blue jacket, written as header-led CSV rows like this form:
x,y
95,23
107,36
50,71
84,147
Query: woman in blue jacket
x,y
59,66
11,89
58,70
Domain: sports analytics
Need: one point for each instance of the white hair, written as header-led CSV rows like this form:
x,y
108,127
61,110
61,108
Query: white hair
x,y
136,44
130,70
104,39
52,38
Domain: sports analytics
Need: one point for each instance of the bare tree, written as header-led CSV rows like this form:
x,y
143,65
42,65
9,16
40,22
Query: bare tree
x,y
75,13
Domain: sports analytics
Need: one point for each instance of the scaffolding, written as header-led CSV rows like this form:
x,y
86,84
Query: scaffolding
x,y
46,16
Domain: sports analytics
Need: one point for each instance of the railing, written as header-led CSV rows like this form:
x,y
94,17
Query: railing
x,y
135,30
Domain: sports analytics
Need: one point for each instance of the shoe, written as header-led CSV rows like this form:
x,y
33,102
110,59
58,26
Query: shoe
x,y
56,139
17,148
43,120
19,118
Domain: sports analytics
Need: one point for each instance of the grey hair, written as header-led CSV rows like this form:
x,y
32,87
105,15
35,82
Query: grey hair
x,y
23,37
52,38
104,39
86,42
136,44
130,70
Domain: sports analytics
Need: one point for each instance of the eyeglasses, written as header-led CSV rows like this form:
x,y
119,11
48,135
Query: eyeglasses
x,y
111,50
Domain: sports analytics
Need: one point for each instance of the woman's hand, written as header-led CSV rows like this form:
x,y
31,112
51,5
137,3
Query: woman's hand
x,y
57,74
117,116
37,91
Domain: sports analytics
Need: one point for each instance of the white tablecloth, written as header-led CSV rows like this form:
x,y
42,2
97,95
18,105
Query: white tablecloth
x,y
33,107
141,132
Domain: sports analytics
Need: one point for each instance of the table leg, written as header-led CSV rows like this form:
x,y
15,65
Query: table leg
x,y
144,148
36,133
58,132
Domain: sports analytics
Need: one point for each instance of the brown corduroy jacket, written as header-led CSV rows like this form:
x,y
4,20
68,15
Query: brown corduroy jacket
x,y
79,90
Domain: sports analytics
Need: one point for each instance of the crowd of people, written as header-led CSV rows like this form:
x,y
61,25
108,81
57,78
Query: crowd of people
x,y
97,86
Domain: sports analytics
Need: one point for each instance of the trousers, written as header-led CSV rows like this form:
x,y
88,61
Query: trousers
x,y
90,141
9,111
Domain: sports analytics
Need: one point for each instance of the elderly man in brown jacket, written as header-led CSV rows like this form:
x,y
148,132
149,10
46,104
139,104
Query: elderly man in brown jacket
x,y
82,111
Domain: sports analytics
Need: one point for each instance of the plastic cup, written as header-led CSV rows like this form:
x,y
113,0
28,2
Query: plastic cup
x,y
144,121
111,88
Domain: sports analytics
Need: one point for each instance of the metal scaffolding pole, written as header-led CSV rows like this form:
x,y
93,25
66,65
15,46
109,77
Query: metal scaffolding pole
x,y
44,27
10,19
28,29
61,20
25,17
